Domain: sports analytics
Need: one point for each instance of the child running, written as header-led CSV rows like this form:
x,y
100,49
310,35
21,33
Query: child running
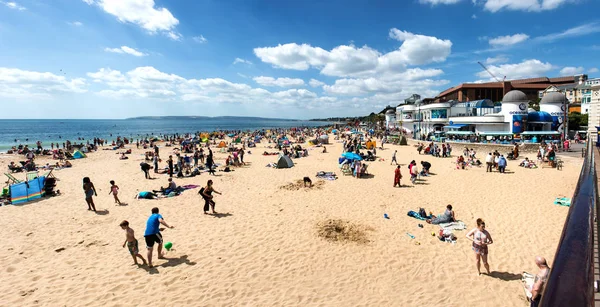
x,y
132,242
114,190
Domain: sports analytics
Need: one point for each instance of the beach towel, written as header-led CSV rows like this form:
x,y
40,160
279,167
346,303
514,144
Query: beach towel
x,y
563,201
190,186
528,280
326,175
458,225
417,215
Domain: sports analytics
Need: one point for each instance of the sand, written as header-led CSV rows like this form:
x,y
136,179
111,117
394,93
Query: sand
x,y
265,249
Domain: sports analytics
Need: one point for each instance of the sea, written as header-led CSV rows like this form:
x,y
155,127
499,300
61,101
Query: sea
x,y
29,131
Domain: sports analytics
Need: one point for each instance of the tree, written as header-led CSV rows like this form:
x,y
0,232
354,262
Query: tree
x,y
535,104
577,120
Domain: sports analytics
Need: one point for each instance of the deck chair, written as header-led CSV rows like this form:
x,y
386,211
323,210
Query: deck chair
x,y
12,179
346,169
48,174
32,175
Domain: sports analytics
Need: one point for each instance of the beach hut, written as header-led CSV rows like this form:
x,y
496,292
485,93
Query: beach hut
x,y
284,162
79,155
222,144
27,190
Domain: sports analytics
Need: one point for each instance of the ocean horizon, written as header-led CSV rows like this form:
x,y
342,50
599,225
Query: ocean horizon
x,y
28,131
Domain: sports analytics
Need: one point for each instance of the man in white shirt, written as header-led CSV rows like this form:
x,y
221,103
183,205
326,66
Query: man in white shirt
x,y
489,161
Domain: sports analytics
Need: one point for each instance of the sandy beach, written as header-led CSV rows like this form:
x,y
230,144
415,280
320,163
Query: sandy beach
x,y
264,249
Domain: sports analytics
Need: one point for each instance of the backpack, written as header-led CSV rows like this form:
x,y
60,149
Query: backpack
x,y
201,192
422,212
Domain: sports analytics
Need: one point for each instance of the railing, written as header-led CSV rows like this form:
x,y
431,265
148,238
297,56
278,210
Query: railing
x,y
572,276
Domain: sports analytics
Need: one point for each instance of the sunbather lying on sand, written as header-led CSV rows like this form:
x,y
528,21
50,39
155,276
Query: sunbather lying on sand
x,y
447,217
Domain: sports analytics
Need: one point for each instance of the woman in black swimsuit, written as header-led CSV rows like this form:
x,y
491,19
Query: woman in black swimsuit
x,y
206,193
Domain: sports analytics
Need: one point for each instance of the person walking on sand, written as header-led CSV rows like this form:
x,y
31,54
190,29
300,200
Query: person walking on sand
x,y
206,193
481,239
397,177
155,159
131,242
170,164
114,190
90,190
539,281
394,158
152,234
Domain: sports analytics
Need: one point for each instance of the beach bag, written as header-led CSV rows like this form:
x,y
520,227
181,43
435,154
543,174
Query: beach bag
x,y
422,212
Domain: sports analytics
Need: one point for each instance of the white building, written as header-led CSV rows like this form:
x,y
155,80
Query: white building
x,y
390,119
594,113
482,118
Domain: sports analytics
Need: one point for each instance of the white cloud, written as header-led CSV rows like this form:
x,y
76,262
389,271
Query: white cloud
x,y
23,84
474,16
127,50
352,61
142,13
436,2
585,29
242,75
523,5
13,5
174,35
241,61
200,39
497,59
570,71
148,83
315,83
525,69
281,82
420,49
508,40
593,70
75,23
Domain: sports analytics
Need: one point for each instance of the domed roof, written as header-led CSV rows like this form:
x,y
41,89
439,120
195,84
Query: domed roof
x,y
515,96
539,117
554,97
390,112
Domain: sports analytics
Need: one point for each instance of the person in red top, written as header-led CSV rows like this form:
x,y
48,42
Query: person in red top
x,y
412,171
397,177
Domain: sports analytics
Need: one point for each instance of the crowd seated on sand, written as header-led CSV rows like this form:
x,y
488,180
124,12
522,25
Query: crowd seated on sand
x,y
435,150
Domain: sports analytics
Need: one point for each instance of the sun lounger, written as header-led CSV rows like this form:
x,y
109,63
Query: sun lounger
x,y
458,225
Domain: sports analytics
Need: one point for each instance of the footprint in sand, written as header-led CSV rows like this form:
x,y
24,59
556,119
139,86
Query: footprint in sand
x,y
10,269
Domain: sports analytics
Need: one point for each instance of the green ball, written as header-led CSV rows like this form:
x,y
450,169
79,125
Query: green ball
x,y
168,245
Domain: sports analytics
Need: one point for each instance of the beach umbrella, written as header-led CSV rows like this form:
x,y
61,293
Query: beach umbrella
x,y
334,131
351,156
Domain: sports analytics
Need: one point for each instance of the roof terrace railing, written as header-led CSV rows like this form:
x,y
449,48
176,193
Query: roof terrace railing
x,y
571,280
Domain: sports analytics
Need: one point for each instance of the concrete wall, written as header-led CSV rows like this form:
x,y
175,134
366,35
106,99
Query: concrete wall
x,y
594,113
483,149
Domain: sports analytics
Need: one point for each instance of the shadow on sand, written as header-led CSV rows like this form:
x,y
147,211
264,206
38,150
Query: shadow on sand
x,y
506,276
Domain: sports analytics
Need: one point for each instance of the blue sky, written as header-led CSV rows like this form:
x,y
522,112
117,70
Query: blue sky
x,y
286,59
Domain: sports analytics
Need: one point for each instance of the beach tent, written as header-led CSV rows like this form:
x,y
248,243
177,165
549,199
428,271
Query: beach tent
x,y
284,162
222,144
237,140
78,155
27,190
324,139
